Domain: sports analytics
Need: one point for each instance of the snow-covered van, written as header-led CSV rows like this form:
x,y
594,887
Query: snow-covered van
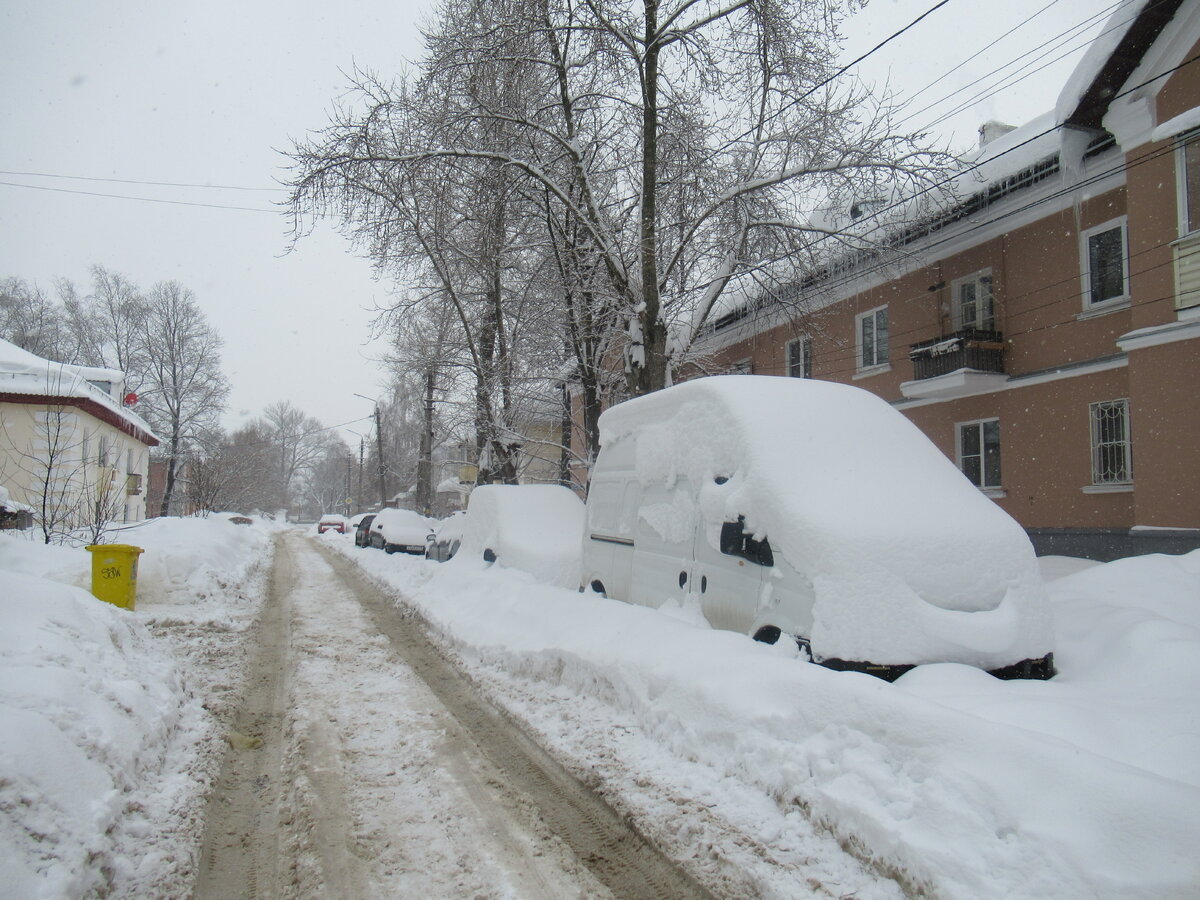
x,y
788,506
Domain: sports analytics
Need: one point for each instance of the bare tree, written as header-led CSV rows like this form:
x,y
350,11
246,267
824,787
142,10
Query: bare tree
x,y
184,388
297,442
34,321
690,145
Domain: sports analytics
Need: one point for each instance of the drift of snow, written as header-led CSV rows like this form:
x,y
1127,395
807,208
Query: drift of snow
x,y
108,736
967,786
1086,785
536,528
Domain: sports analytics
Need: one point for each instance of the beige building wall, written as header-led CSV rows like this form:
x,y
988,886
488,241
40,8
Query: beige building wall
x,y
76,460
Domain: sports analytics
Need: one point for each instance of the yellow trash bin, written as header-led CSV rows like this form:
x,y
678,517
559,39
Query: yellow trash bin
x,y
114,573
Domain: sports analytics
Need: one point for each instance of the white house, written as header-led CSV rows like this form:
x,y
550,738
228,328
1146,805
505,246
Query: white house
x,y
70,448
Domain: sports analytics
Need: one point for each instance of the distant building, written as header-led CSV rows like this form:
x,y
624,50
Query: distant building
x,y
70,449
181,502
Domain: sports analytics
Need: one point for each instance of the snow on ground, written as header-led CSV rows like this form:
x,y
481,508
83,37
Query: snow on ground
x,y
1087,785
110,721
948,780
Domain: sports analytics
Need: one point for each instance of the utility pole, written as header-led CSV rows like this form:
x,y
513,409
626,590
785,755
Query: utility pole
x,y
379,445
379,448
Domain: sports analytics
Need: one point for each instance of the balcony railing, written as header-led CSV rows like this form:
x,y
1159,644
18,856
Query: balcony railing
x,y
970,348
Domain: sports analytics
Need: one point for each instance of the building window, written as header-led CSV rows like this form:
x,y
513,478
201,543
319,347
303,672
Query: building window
x,y
1112,460
873,338
973,306
1187,248
979,452
799,358
1105,273
1189,183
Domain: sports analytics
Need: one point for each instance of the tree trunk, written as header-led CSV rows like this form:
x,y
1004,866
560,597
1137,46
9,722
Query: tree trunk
x,y
425,463
648,360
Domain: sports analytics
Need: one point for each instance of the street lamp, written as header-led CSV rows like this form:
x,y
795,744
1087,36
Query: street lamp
x,y
379,448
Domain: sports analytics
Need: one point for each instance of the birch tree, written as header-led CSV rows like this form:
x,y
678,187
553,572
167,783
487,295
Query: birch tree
x,y
184,387
692,143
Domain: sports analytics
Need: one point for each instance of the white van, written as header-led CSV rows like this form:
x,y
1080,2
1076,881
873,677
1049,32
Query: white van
x,y
787,506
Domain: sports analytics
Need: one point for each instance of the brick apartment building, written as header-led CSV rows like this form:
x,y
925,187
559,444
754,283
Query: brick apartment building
x,y
1045,331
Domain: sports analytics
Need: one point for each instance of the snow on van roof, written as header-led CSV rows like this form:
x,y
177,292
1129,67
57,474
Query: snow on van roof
x,y
907,558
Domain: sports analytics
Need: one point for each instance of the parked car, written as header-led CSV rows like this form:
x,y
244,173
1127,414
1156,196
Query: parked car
x,y
788,506
362,531
399,531
446,538
532,527
333,522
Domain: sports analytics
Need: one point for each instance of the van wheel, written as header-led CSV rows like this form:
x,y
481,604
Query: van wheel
x,y
768,634
597,587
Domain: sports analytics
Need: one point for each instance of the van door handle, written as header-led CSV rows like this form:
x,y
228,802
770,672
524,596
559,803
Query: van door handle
x,y
703,583
682,578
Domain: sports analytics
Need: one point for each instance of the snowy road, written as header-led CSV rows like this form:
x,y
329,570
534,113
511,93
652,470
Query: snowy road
x,y
363,764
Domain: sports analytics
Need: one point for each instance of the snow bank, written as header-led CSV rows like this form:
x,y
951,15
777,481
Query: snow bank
x,y
536,528
908,561
107,733
87,705
964,785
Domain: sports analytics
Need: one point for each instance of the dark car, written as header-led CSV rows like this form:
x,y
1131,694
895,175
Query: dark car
x,y
447,537
362,534
400,531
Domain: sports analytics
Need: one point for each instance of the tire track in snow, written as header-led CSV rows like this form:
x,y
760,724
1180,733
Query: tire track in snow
x,y
527,778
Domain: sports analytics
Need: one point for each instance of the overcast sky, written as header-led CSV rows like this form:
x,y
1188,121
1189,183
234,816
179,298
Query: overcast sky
x,y
210,93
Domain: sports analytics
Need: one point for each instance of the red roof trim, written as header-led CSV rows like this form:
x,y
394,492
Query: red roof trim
x,y
91,407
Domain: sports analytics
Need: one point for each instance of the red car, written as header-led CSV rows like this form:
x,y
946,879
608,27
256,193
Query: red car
x,y
333,522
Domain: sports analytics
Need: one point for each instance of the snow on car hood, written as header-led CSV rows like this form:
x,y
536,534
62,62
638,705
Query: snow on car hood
x,y
908,561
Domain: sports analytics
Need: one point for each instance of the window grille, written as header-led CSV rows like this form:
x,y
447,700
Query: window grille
x,y
1111,457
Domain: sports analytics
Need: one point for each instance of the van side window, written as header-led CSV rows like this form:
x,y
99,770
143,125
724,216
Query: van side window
x,y
735,542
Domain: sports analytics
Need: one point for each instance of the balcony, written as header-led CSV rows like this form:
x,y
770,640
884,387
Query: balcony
x,y
969,361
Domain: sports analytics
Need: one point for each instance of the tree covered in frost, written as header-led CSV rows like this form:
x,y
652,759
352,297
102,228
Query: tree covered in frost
x,y
622,166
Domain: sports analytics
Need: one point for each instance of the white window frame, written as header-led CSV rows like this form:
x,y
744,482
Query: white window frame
x,y
1192,139
977,279
1186,250
992,490
876,365
1125,445
804,344
1085,263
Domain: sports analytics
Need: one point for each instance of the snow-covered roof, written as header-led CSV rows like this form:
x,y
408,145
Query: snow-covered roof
x,y
24,374
1096,58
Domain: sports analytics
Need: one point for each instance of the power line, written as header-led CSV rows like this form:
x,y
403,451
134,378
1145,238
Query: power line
x,y
38,187
220,187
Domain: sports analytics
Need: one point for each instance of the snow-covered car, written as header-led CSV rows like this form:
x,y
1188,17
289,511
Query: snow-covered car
x,y
362,531
788,506
333,522
446,538
532,527
399,531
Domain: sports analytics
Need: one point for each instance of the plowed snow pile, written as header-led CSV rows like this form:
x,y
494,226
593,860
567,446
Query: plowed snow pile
x,y
1086,785
110,725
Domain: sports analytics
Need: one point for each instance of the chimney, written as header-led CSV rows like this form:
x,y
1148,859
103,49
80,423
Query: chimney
x,y
991,130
